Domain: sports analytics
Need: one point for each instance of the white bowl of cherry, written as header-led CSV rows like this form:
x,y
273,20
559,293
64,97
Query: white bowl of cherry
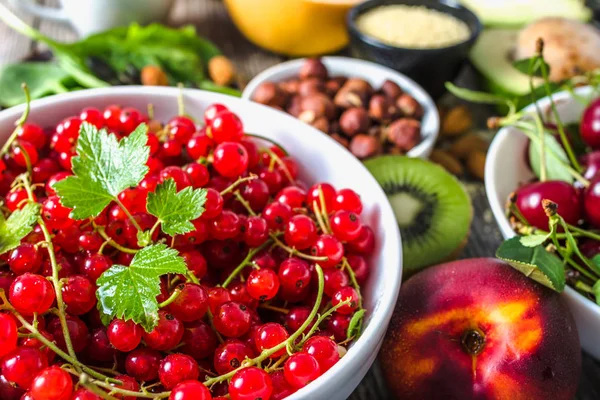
x,y
248,270
508,171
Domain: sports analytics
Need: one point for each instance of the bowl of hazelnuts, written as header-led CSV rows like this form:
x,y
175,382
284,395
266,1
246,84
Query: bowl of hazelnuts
x,y
367,108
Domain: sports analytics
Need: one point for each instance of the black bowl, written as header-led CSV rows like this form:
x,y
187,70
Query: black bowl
x,y
431,68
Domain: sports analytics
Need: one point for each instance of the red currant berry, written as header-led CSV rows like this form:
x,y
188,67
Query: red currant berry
x,y
191,304
198,174
128,383
53,179
55,214
590,125
364,243
143,364
347,200
100,348
8,334
338,325
270,335
170,148
33,134
293,196
230,355
181,129
262,284
294,277
199,340
301,369
30,293
43,170
314,194
95,265
190,389
271,177
16,199
225,226
166,335
255,231
277,215
84,394
199,145
281,388
225,127
176,368
256,193
90,241
130,118
346,294
250,384
335,279
216,297
213,205
37,344
92,116
359,266
78,331
25,258
324,350
124,335
230,159
300,232
79,294
252,150
22,364
212,111
24,153
345,225
53,383
328,246
178,175
232,319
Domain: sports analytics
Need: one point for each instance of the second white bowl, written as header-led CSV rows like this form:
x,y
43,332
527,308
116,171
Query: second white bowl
x,y
506,169
373,73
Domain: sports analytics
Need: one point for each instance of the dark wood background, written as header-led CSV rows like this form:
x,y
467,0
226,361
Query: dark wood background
x,y
212,21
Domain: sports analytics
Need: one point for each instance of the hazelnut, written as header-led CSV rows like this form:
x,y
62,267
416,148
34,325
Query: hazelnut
x,y
409,107
334,127
293,106
319,104
152,75
270,94
381,108
363,146
321,124
359,86
332,86
290,87
221,70
310,86
347,98
341,140
404,133
354,120
391,90
313,68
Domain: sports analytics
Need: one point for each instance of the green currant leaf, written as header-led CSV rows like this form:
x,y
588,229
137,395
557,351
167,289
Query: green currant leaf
x,y
102,169
556,158
130,292
534,240
355,325
17,226
175,210
535,262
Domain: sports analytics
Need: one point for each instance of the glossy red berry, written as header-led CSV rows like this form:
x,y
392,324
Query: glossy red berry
x,y
590,125
176,368
328,192
33,134
331,248
300,232
59,176
364,243
255,231
293,196
177,174
22,364
225,127
301,369
30,293
128,383
143,364
166,335
591,202
16,199
270,335
225,226
78,331
232,319
256,193
25,258
230,355
100,348
124,335
212,111
230,159
200,341
345,225
324,350
347,200
55,214
8,334
181,129
198,174
53,383
79,294
294,277
84,394
199,145
335,279
24,153
281,388
262,284
213,205
359,267
130,118
216,297
191,304
93,116
338,325
277,215
346,293
95,265
188,390
250,384
530,196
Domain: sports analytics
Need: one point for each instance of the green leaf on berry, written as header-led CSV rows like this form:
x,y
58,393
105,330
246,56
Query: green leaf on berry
x,y
355,325
129,293
103,168
175,210
556,159
534,262
17,226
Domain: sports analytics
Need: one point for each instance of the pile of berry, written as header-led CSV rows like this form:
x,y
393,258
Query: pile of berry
x,y
269,298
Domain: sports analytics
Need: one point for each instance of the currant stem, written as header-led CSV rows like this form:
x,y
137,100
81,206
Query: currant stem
x,y
210,317
124,392
110,241
244,203
268,140
355,284
245,262
292,339
171,298
55,278
320,320
237,183
273,308
279,161
295,252
126,211
19,123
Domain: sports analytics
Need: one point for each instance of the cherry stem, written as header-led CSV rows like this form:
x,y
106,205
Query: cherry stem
x,y
245,262
289,342
295,252
171,298
266,139
237,183
19,123
55,279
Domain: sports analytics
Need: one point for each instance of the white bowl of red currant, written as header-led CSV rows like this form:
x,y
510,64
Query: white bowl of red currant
x,y
516,186
203,247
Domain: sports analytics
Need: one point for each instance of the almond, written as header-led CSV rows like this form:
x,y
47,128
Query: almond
x,y
476,164
466,144
456,121
447,160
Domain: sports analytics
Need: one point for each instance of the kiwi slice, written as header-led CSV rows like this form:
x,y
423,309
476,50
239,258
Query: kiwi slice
x,y
432,208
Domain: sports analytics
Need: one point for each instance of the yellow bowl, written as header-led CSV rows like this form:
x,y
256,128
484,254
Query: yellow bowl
x,y
293,27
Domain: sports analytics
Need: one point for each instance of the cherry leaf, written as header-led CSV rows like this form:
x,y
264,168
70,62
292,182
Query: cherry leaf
x,y
534,262
534,240
556,158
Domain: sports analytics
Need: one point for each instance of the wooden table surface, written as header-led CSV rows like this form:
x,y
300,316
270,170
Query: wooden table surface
x,y
212,21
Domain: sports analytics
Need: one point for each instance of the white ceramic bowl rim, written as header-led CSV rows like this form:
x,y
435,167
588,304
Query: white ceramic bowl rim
x,y
430,124
385,301
492,192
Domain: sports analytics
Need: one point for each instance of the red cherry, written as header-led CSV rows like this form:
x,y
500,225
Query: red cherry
x,y
591,202
530,196
590,125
